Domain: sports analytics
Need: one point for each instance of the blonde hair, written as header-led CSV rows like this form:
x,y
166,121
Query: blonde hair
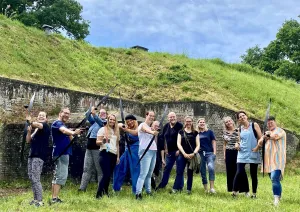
x,y
201,119
189,117
224,122
116,127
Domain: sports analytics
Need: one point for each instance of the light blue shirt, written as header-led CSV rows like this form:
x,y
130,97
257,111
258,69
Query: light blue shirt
x,y
248,142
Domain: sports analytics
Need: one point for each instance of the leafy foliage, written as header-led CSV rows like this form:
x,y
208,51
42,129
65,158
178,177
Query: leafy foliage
x,y
281,56
60,14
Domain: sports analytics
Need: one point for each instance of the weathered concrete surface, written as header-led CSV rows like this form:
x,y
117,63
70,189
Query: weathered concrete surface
x,y
14,94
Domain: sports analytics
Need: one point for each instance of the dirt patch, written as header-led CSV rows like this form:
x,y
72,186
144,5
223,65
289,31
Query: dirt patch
x,y
4,192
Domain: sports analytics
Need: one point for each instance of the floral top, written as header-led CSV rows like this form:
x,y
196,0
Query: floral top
x,y
231,138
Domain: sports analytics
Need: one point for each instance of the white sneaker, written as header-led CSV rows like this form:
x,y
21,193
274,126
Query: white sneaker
x,y
276,201
212,191
247,194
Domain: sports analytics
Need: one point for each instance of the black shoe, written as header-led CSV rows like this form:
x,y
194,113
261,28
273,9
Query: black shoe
x,y
81,190
234,195
150,194
56,200
253,196
138,197
157,188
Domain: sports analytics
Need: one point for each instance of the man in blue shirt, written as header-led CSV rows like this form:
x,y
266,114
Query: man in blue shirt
x,y
62,136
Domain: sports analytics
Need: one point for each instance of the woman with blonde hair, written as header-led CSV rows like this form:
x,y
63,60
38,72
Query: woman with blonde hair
x,y
208,151
188,144
108,138
231,136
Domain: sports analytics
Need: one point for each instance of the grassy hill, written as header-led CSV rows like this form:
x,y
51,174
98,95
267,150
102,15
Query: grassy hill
x,y
28,54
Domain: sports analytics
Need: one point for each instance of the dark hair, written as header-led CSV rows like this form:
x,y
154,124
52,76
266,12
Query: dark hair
x,y
239,112
271,118
149,111
130,116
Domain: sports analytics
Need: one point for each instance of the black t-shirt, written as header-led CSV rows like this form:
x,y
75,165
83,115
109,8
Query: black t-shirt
x,y
192,140
91,144
40,143
170,134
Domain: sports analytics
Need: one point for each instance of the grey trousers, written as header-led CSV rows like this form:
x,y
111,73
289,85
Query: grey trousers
x,y
35,167
91,162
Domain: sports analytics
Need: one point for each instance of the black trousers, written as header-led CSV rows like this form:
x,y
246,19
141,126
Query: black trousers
x,y
231,167
107,163
241,173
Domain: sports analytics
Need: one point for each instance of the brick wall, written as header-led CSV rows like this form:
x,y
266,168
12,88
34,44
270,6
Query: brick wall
x,y
14,94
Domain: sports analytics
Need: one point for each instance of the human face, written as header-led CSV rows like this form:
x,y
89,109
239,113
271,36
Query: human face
x,y
243,118
102,114
172,118
65,115
111,121
271,125
155,125
130,123
150,117
42,117
201,124
188,123
229,123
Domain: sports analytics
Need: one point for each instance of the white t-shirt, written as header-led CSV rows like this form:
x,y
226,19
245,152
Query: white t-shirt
x,y
145,138
112,145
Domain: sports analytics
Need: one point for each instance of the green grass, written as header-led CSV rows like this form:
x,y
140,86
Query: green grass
x,y
161,201
28,54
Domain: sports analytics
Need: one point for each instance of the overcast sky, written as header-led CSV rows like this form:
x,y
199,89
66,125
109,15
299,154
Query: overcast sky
x,y
197,28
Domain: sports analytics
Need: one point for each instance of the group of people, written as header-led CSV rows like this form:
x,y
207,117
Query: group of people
x,y
148,149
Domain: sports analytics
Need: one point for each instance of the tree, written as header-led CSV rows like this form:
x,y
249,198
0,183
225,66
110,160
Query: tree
x,y
281,56
60,14
253,56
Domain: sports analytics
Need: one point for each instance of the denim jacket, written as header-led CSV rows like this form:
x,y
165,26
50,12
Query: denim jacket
x,y
96,124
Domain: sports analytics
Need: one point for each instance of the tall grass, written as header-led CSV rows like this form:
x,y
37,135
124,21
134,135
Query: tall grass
x,y
28,54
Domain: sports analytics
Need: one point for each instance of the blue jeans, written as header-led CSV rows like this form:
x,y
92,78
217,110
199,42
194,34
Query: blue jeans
x,y
170,160
209,159
147,165
276,185
181,163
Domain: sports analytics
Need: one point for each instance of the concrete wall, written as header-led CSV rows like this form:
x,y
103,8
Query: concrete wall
x,y
14,94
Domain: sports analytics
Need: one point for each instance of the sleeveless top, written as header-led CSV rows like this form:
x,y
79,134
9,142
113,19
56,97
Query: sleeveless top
x,y
248,142
231,138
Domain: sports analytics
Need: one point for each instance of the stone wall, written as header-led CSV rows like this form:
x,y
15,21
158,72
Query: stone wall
x,y
14,94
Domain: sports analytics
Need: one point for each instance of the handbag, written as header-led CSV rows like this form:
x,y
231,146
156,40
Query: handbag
x,y
195,161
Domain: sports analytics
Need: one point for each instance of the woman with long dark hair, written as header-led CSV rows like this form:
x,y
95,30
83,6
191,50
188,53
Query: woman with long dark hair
x,y
249,134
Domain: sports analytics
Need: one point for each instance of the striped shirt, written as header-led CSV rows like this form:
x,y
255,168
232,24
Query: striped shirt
x,y
231,138
275,152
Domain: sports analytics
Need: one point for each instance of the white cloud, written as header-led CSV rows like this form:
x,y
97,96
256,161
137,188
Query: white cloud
x,y
200,28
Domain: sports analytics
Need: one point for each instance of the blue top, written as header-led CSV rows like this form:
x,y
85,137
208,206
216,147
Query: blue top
x,y
96,123
40,143
60,140
248,142
134,139
206,139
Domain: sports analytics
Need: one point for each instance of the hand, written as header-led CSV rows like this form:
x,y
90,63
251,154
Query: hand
x,y
255,149
186,156
237,146
155,133
163,162
118,160
191,155
29,128
93,110
177,153
77,131
28,118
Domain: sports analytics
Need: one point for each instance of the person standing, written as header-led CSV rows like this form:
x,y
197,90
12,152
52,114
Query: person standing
x,y
147,164
275,156
170,134
188,144
127,160
62,137
231,136
249,133
208,151
91,158
39,142
108,138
